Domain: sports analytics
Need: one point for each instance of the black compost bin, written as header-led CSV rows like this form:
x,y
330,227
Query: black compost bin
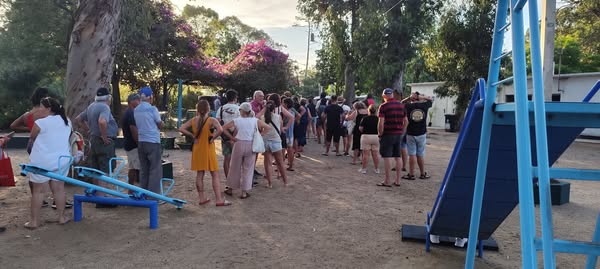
x,y
451,123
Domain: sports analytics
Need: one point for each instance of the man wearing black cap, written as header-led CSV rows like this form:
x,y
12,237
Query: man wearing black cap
x,y
130,135
103,130
390,128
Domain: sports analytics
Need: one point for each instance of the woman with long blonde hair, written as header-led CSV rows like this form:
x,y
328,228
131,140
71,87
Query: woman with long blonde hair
x,y
204,156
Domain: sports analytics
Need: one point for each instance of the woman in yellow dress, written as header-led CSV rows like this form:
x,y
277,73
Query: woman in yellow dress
x,y
204,157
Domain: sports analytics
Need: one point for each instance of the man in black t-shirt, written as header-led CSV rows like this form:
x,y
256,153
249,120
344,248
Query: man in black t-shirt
x,y
333,125
417,107
130,135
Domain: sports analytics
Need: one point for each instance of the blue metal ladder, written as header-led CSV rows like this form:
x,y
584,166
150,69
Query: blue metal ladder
x,y
568,114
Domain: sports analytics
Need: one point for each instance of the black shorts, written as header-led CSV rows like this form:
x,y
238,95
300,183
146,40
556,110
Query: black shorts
x,y
390,145
334,133
320,122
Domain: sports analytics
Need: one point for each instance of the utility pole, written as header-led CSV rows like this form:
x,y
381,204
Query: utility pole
x,y
307,53
548,22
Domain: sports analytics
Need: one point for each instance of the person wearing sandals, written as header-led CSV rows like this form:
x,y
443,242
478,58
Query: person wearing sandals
x,y
103,129
301,126
358,113
416,133
288,104
25,122
241,168
204,156
148,122
273,147
333,123
50,137
369,141
392,124
225,114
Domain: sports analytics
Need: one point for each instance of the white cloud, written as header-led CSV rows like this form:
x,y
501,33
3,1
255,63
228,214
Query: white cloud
x,y
256,13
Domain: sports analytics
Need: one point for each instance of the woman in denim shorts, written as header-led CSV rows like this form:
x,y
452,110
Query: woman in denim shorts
x,y
273,143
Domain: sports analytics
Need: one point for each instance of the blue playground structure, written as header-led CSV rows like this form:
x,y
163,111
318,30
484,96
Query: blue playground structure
x,y
524,139
139,197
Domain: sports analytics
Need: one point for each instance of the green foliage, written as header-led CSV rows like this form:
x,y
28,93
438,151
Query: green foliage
x,y
329,66
577,44
222,38
310,85
459,51
363,40
136,21
34,36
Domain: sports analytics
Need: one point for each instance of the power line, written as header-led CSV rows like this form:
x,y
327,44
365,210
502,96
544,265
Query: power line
x,y
392,7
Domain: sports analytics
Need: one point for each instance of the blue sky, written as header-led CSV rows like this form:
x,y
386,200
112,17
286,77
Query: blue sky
x,y
275,17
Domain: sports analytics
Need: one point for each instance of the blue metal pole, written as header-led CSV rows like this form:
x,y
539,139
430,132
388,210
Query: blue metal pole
x,y
527,213
179,101
77,209
93,173
41,171
541,139
152,205
486,131
592,92
154,216
591,259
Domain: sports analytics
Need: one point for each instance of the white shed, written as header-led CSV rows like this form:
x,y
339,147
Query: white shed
x,y
440,107
567,88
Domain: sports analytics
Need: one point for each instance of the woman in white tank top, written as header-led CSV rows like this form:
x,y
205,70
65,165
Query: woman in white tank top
x,y
273,146
51,140
241,168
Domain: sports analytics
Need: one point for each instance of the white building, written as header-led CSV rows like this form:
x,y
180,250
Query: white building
x,y
567,88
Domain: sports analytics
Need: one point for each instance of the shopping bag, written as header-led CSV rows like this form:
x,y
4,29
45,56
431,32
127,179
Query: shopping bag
x,y
258,145
7,178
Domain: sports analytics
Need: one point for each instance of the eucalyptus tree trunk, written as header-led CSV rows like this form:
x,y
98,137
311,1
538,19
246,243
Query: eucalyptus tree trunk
x,y
91,52
116,92
399,81
349,79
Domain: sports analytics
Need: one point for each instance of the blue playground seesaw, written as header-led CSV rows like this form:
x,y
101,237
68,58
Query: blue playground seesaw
x,y
137,199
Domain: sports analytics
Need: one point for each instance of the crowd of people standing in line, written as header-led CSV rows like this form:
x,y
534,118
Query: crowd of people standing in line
x,y
395,130
284,122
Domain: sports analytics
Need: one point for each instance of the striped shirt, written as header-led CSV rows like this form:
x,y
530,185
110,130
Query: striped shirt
x,y
394,113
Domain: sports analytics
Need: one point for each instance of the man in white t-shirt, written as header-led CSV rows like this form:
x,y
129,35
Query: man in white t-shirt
x,y
225,114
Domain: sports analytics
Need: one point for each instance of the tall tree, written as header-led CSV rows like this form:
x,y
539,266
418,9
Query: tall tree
x,y
33,42
91,52
459,52
130,65
577,42
329,68
342,21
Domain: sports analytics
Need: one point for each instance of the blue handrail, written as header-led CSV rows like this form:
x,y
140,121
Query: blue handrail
x,y
592,92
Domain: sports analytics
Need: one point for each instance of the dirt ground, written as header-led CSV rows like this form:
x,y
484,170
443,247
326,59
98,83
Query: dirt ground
x,y
330,216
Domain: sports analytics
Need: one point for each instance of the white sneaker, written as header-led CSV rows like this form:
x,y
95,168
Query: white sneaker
x,y
434,238
376,171
363,171
460,242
